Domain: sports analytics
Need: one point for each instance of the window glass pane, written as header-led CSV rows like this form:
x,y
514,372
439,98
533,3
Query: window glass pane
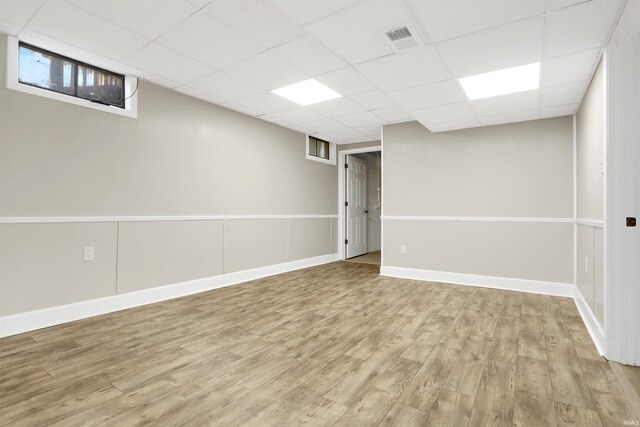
x,y
312,146
45,70
100,86
323,149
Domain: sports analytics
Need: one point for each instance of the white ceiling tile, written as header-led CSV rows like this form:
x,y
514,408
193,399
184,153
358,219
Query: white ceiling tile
x,y
412,67
371,131
18,12
275,120
373,100
431,95
359,119
225,86
445,19
571,93
266,102
9,28
519,116
513,44
354,140
324,125
200,3
299,128
257,19
507,103
167,63
355,33
558,111
309,55
200,95
337,107
580,27
306,11
448,126
267,71
346,81
76,27
444,113
209,40
393,115
242,109
343,134
298,115
568,68
559,4
149,18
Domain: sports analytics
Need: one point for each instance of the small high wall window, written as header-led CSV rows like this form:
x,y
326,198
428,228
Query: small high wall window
x,y
47,70
321,150
38,71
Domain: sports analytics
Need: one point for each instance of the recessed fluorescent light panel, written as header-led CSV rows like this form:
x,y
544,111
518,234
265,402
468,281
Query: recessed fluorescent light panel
x,y
307,92
502,82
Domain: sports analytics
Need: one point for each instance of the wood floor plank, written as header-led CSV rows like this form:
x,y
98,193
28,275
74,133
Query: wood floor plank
x,y
614,411
346,392
531,337
467,372
629,380
422,346
533,396
567,379
370,409
494,400
423,390
569,415
504,346
450,409
404,416
584,346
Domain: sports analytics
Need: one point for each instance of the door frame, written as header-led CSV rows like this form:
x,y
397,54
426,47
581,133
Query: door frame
x,y
342,158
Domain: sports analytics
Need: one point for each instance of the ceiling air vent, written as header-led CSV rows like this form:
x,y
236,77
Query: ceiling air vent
x,y
402,38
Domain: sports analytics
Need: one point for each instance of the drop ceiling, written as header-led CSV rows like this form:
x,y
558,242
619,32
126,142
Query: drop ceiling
x,y
234,52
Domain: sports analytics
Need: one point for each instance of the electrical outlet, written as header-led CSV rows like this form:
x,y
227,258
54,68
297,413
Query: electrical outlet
x,y
89,253
586,264
403,249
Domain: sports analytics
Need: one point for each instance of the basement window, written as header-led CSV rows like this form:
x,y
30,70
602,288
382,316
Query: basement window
x,y
38,71
321,150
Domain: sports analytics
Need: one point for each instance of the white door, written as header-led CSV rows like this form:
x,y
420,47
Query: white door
x,y
356,205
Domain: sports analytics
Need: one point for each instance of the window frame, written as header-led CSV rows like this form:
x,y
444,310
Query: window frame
x,y
332,160
12,82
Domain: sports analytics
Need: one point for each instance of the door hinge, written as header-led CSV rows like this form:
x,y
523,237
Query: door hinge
x,y
346,241
346,203
346,165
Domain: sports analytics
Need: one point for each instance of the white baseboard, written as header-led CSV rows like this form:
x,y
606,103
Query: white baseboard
x,y
590,321
32,320
509,284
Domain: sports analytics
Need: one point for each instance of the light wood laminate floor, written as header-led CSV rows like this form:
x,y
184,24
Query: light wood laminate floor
x,y
330,345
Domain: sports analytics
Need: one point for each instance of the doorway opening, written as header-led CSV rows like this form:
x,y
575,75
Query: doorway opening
x,y
360,230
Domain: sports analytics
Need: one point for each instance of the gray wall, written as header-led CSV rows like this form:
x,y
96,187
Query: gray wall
x,y
514,171
180,157
590,150
590,194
